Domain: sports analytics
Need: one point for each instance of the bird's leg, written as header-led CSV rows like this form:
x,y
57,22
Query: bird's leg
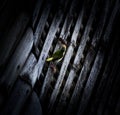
x,y
53,67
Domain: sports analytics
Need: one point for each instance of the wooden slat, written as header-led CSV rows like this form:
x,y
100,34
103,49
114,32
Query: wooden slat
x,y
17,60
28,67
14,35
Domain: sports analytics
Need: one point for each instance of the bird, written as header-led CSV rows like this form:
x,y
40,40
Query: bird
x,y
57,56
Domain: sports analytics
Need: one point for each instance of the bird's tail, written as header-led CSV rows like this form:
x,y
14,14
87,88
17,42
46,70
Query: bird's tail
x,y
49,59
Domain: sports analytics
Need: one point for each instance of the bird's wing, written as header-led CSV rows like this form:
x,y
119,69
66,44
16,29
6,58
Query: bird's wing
x,y
58,54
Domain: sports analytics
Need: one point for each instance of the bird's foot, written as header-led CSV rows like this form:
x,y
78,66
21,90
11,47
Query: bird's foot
x,y
53,67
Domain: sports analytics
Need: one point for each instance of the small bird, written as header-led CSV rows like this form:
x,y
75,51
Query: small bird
x,y
57,56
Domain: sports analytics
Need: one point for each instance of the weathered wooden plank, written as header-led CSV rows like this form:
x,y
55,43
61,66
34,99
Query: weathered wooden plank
x,y
87,64
19,95
65,30
17,60
14,35
28,67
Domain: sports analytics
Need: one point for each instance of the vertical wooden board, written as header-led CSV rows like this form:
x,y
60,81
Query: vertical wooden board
x,y
17,60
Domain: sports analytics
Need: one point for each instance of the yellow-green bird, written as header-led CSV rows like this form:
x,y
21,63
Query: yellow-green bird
x,y
58,55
